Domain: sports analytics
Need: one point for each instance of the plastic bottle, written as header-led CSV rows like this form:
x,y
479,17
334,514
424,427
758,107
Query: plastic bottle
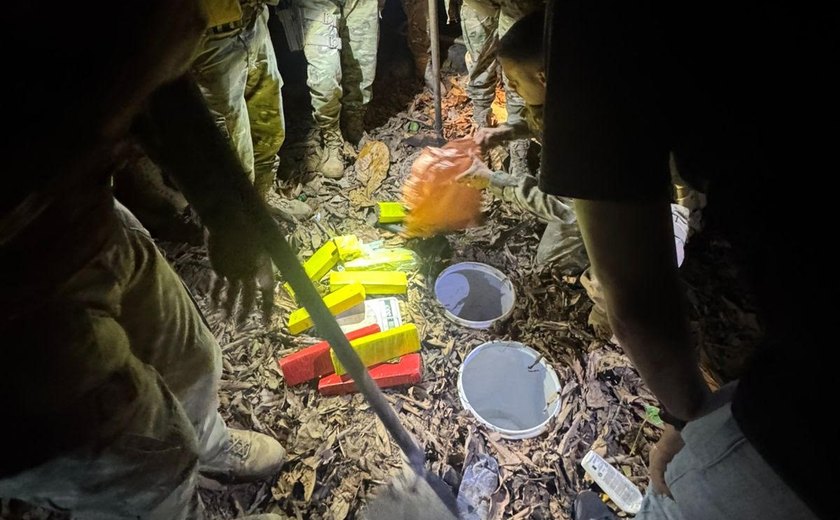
x,y
619,488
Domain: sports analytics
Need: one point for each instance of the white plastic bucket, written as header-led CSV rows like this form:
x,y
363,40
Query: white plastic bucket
x,y
509,388
475,295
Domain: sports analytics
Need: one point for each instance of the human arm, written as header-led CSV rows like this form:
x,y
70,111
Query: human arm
x,y
488,137
631,248
180,133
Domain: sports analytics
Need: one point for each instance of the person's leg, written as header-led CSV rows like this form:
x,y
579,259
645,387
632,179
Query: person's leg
x,y
168,331
265,104
221,71
322,46
98,431
478,26
417,15
360,39
561,242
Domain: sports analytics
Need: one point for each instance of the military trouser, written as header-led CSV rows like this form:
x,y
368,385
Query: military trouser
x,y
120,366
481,22
239,78
340,44
561,242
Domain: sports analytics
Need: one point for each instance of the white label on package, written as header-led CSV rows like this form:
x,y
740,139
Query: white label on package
x,y
384,312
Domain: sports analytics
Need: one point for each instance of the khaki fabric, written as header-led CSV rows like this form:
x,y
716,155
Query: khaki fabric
x,y
117,377
340,44
239,78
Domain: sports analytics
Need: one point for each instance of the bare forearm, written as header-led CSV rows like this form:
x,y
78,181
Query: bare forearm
x,y
631,248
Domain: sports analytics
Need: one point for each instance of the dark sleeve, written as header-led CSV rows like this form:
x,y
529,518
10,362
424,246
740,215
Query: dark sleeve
x,y
604,132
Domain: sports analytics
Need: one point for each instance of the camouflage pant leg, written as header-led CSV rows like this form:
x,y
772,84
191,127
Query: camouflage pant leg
x,y
360,39
265,105
417,14
479,28
221,70
561,242
322,48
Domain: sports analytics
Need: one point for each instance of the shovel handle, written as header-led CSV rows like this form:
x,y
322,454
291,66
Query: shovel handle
x,y
434,41
286,260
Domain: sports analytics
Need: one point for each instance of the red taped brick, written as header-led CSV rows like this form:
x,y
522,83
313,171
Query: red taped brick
x,y
408,371
315,361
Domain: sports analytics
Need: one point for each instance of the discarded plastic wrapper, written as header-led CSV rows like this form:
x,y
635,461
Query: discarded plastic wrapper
x,y
337,302
315,361
407,371
383,346
374,282
384,259
436,201
390,212
475,494
384,312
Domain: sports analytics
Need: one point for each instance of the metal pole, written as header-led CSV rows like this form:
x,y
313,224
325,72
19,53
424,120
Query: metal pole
x,y
434,37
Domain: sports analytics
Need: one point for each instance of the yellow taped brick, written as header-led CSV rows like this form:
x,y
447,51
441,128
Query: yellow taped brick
x,y
374,282
319,264
349,247
322,261
380,347
337,302
390,212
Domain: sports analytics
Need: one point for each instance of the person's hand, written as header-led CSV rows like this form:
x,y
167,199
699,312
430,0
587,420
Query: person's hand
x,y
477,176
669,444
241,265
487,137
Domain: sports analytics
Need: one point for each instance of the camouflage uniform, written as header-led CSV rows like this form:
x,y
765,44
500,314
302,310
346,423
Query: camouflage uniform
x,y
340,44
237,71
561,239
481,22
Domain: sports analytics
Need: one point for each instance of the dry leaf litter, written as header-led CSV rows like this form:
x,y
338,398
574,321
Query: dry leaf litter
x,y
338,453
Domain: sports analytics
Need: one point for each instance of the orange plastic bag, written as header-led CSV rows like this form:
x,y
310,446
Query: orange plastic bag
x,y
436,201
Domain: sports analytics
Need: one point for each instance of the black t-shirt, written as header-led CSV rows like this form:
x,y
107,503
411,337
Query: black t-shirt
x,y
740,94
